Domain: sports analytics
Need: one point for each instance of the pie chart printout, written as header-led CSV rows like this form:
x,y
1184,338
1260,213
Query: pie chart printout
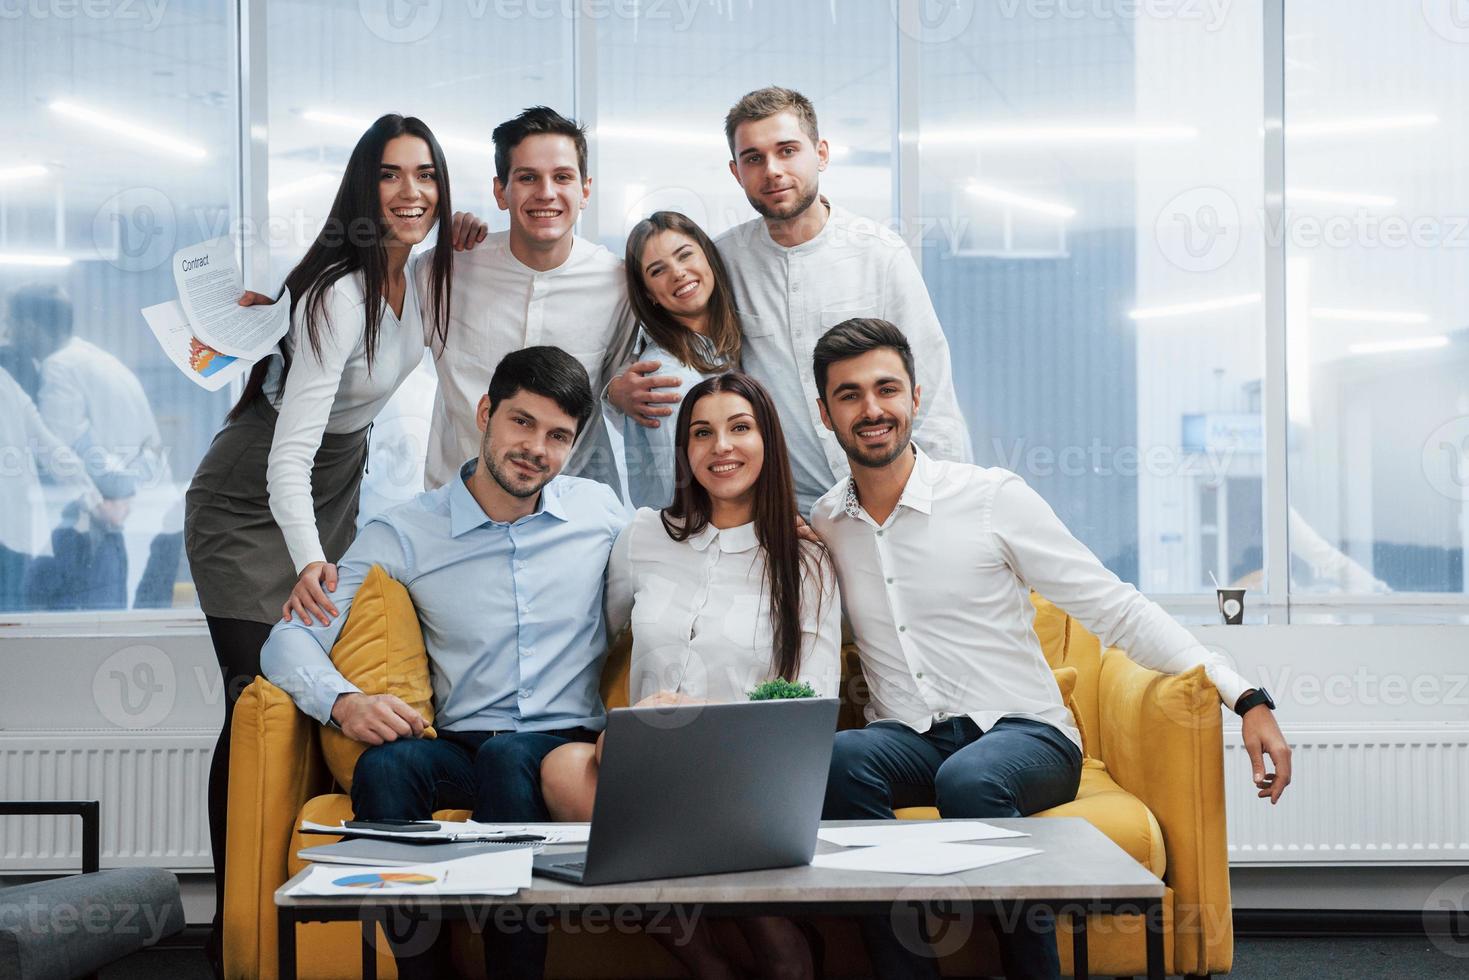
x,y
384,879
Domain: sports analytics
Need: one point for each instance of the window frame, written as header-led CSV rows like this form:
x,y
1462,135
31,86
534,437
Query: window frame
x,y
1277,604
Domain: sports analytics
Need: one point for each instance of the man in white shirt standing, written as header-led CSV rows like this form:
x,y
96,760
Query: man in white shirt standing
x,y
799,268
536,284
89,399
936,561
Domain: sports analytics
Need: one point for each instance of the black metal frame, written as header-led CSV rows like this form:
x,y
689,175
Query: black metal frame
x,y
91,813
370,913
89,810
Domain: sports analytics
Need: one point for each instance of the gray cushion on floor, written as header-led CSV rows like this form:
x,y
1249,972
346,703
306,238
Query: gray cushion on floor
x,y
67,927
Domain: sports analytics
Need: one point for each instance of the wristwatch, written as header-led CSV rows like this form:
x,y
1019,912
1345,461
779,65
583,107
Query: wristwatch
x,y
1253,698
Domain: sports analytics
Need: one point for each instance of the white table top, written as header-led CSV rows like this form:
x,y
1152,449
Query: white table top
x,y
1077,862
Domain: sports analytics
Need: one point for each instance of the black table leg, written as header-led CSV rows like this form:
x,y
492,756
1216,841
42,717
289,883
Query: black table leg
x,y
369,945
1153,919
285,925
1080,965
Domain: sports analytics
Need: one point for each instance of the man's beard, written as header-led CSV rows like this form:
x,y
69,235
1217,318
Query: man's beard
x,y
795,210
878,458
507,482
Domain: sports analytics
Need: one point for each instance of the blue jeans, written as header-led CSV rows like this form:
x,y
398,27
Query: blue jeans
x,y
497,776
1015,768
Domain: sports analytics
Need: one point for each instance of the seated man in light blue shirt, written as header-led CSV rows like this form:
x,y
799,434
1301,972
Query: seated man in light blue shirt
x,y
506,567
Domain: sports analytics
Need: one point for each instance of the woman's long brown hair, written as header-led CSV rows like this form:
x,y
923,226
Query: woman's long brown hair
x,y
351,241
668,333
774,512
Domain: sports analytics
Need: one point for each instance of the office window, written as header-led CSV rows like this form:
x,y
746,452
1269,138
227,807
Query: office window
x,y
462,69
119,148
1090,214
1376,234
665,82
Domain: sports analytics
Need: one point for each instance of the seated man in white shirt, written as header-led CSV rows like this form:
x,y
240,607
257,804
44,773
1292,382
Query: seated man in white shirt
x,y
800,266
936,561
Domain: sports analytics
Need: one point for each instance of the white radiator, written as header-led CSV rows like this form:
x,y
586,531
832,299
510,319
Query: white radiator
x,y
1387,795
1384,796
152,788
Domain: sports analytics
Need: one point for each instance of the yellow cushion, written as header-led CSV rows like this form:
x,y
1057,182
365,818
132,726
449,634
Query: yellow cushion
x,y
380,649
1118,814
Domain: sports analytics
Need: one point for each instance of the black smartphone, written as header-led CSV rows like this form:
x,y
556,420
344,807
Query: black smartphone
x,y
396,826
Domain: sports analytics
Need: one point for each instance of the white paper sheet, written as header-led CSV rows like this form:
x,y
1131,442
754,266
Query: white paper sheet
x,y
501,873
209,285
904,831
551,833
205,366
920,858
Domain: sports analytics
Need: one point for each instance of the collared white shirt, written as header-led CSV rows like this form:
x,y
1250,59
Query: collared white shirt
x,y
337,392
700,612
789,297
500,305
27,448
938,596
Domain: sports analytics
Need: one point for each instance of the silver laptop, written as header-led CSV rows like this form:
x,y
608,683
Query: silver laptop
x,y
705,789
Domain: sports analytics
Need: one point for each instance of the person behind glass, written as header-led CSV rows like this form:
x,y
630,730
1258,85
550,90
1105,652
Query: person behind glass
x,y
765,606
87,397
273,503
23,518
508,541
936,561
680,293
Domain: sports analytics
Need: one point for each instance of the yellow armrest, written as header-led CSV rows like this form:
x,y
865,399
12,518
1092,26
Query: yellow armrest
x,y
1162,740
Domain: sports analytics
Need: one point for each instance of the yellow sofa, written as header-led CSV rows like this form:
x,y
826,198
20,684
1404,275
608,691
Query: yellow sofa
x,y
1152,782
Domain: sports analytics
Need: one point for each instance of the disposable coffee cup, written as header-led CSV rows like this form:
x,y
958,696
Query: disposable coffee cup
x,y
1232,606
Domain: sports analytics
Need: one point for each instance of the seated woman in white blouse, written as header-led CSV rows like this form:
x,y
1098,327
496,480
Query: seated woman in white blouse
x,y
723,595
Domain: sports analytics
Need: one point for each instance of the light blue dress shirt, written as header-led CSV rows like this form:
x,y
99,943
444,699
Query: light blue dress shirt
x,y
512,614
649,452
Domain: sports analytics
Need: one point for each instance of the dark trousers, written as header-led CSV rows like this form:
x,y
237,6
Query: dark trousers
x,y
1015,768
237,644
495,775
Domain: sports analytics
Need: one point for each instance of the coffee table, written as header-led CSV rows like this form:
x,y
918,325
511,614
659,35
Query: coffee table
x,y
1079,872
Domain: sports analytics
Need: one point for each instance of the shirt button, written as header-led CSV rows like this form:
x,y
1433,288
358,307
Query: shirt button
x,y
902,629
942,716
890,580
919,675
525,692
879,534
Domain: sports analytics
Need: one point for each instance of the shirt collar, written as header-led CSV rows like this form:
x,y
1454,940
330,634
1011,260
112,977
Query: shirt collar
x,y
731,539
917,492
817,240
465,513
574,258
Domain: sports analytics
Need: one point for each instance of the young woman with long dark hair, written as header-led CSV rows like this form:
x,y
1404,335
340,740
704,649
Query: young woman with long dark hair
x,y
680,293
723,593
273,503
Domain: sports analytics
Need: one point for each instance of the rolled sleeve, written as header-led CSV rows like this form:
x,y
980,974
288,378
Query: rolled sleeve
x,y
297,657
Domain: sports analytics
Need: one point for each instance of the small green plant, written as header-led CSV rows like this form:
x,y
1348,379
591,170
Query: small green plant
x,y
781,689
